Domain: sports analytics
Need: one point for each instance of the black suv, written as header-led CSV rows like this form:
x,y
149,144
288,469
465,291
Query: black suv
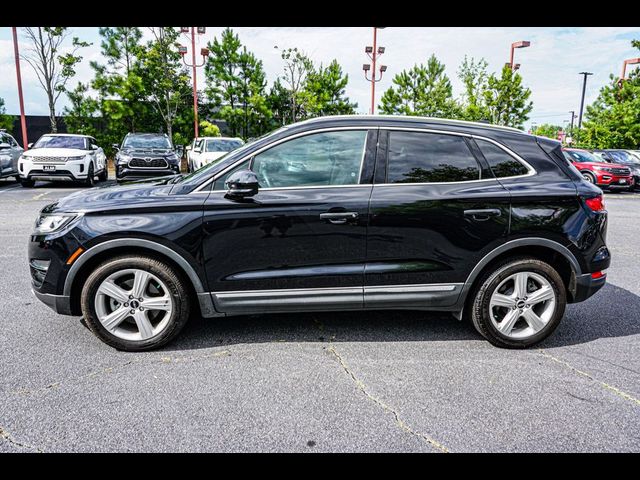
x,y
335,213
144,155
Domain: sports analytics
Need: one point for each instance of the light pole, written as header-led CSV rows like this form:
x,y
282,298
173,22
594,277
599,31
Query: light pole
x,y
205,53
573,115
23,120
584,88
373,53
514,45
630,61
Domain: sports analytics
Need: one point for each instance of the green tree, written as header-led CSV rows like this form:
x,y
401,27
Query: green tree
x,y
422,90
80,117
165,80
547,130
52,67
506,99
613,119
6,121
208,129
297,66
279,103
474,78
326,86
236,84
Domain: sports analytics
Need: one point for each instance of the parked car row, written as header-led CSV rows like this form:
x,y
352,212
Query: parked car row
x,y
608,169
205,150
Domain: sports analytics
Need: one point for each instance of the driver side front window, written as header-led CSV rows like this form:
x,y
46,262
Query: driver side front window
x,y
327,158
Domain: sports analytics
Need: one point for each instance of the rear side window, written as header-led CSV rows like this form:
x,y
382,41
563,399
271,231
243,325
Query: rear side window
x,y
502,164
416,157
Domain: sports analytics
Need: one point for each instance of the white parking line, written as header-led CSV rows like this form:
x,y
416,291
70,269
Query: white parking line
x,y
39,196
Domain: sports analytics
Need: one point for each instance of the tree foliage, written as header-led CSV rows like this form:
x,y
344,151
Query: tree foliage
x,y
506,99
6,121
52,66
208,129
474,77
613,119
326,87
422,90
547,130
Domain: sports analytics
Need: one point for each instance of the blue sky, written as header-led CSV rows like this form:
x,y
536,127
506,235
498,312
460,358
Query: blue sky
x,y
550,66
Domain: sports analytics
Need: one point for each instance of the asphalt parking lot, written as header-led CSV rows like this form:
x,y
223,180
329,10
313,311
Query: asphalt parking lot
x,y
387,381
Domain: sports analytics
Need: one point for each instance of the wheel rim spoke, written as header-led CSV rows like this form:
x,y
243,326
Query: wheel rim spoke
x,y
115,318
509,320
112,290
533,320
157,303
541,295
501,300
140,282
520,284
144,325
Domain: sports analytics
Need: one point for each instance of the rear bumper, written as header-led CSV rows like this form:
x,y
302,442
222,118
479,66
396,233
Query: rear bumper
x,y
586,286
58,303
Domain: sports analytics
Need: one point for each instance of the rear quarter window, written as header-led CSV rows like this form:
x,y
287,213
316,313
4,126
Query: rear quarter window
x,y
502,163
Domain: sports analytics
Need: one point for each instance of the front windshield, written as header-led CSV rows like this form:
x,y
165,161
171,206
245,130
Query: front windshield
x,y
222,145
203,172
624,157
161,143
580,156
48,141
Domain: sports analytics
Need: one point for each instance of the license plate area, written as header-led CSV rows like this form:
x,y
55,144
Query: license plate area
x,y
48,168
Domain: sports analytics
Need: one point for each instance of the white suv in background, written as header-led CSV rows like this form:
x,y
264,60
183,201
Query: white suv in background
x,y
208,149
61,156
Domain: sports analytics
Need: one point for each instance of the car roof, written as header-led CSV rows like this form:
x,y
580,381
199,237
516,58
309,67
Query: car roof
x,y
66,135
402,120
136,134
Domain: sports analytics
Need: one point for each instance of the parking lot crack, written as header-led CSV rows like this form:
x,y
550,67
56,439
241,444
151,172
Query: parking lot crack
x,y
398,420
6,436
615,390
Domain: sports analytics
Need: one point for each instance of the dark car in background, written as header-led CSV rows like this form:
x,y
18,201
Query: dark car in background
x,y
144,155
608,176
335,213
625,158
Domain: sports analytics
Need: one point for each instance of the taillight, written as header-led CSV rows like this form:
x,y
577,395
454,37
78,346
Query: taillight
x,y
596,204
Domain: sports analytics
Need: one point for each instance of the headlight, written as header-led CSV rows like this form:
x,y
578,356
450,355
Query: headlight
x,y
75,159
123,158
52,223
173,158
603,169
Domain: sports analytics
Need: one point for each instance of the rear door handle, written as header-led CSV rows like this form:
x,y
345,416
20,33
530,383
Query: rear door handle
x,y
483,213
339,218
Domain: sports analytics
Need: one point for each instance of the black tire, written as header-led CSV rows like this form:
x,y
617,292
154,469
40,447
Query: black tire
x,y
589,177
17,177
104,175
90,181
478,310
175,283
27,183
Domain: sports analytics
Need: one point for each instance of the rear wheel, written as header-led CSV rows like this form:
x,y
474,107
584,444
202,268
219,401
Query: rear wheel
x,y
519,303
104,175
135,303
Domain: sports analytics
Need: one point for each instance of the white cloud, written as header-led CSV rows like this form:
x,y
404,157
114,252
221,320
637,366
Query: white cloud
x,y
550,66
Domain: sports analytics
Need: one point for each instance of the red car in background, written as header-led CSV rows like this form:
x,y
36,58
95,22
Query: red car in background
x,y
608,176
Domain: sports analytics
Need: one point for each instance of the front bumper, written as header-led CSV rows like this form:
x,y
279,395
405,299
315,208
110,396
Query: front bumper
x,y
611,181
123,172
58,303
72,170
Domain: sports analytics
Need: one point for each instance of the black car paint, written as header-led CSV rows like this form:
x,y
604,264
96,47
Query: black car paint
x,y
402,234
125,171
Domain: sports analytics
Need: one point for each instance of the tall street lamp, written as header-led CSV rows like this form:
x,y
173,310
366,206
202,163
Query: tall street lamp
x,y
373,53
205,53
514,45
630,61
23,120
584,88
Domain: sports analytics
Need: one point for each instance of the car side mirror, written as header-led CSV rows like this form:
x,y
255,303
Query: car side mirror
x,y
29,145
4,145
94,147
242,184
115,146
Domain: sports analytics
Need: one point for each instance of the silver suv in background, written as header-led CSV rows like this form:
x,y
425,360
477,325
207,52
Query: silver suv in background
x,y
10,152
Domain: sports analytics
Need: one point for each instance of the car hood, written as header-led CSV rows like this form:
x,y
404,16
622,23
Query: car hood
x,y
149,152
209,156
55,152
124,196
604,164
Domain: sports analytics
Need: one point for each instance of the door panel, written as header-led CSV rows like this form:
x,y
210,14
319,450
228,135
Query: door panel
x,y
425,238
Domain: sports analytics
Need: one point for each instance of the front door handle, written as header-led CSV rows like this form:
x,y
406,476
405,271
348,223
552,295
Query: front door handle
x,y
339,218
483,214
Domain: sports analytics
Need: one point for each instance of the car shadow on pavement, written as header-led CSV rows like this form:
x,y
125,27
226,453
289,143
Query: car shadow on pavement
x,y
613,312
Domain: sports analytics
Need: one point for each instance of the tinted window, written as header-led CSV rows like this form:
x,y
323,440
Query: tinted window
x,y
502,164
159,142
222,145
429,157
330,158
580,156
623,157
61,142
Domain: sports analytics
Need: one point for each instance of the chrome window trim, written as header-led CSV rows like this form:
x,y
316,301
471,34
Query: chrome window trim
x,y
508,151
200,188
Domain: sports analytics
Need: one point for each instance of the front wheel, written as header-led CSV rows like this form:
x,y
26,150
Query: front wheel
x,y
27,183
519,303
589,177
135,303
104,175
90,181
